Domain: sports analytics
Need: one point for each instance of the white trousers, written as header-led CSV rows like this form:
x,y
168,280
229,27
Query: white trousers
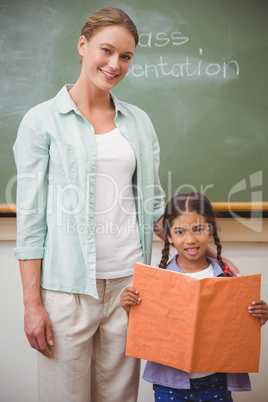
x,y
89,362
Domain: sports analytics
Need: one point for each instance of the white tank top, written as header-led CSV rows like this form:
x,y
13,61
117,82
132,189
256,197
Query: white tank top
x,y
116,229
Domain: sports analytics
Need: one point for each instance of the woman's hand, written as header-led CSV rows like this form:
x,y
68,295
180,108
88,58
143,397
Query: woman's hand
x,y
259,309
38,329
233,269
37,325
129,298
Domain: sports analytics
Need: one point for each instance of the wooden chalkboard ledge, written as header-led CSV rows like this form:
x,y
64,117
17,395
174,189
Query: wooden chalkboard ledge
x,y
240,206
7,209
225,208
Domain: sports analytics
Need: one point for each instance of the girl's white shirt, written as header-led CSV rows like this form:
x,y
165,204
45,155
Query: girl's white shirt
x,y
205,273
116,229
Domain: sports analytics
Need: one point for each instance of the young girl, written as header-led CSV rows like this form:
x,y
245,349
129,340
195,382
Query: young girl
x,y
189,223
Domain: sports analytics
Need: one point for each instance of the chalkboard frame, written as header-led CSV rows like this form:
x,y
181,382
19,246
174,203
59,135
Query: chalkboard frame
x,y
223,209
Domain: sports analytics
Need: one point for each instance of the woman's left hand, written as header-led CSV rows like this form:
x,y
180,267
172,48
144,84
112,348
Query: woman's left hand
x,y
233,268
259,309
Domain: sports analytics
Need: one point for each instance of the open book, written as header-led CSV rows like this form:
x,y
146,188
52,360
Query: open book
x,y
195,325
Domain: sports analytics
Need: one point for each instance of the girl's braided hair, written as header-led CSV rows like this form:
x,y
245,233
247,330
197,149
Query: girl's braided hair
x,y
194,203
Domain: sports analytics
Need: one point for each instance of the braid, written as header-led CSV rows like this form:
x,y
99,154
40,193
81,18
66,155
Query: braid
x,y
219,247
165,255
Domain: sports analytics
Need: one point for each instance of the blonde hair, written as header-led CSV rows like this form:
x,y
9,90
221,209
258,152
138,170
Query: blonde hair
x,y
106,17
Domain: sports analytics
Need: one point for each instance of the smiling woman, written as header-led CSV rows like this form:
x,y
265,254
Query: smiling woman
x,y
106,58
86,162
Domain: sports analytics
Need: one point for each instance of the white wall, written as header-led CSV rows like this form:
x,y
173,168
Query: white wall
x,y
18,378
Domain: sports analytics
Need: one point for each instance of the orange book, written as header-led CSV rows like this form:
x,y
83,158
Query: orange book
x,y
195,325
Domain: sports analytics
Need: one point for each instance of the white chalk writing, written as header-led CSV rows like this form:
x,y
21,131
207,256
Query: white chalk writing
x,y
178,64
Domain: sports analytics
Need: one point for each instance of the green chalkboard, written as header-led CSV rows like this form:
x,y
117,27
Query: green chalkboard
x,y
200,72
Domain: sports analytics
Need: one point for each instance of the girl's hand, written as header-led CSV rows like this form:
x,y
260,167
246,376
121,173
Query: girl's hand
x,y
128,298
259,309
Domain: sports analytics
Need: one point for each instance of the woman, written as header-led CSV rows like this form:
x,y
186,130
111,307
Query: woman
x,y
88,197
